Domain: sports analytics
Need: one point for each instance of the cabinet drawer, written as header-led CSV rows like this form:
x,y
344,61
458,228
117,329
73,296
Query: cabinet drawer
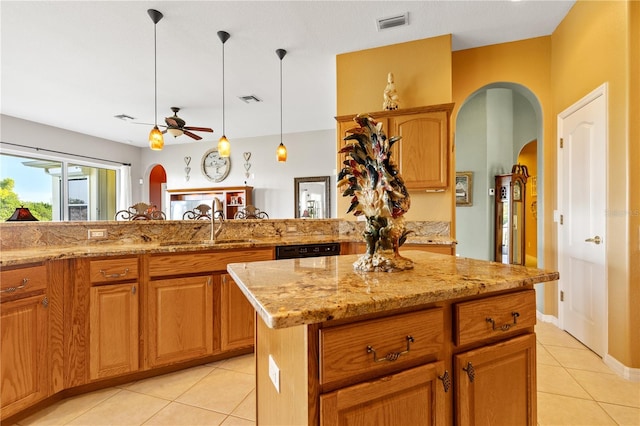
x,y
195,263
111,270
14,282
494,316
348,350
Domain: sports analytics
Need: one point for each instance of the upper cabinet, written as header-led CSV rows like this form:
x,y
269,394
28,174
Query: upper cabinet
x,y
423,152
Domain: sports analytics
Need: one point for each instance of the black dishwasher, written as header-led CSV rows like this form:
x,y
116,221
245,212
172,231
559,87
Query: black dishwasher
x,y
307,250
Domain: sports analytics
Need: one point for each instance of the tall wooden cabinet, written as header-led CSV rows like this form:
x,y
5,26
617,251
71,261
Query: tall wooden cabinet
x,y
510,216
113,317
423,153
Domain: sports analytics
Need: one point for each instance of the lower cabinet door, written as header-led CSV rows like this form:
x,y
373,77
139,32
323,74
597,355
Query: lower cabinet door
x,y
496,385
113,330
179,319
24,353
237,316
413,397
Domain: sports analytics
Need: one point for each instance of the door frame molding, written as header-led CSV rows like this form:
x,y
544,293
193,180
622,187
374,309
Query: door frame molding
x,y
600,91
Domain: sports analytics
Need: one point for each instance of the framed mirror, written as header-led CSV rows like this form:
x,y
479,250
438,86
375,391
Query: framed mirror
x,y
312,196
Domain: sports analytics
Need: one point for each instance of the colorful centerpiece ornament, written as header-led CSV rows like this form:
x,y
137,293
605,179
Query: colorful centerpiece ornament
x,y
377,191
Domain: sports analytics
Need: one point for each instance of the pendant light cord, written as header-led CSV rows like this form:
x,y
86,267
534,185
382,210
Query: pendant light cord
x,y
280,100
155,74
223,132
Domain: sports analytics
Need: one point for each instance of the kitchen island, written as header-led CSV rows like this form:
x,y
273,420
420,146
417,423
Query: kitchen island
x,y
450,341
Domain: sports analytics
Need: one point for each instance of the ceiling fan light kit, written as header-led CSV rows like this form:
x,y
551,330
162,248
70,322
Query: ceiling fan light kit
x,y
224,147
156,140
281,151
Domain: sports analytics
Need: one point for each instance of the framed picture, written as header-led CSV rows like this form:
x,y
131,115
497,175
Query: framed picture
x,y
464,189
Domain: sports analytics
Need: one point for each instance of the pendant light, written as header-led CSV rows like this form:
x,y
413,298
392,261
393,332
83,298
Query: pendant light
x,y
156,140
281,152
224,147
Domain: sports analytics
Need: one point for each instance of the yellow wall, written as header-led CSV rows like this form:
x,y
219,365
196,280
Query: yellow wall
x,y
592,46
597,42
528,63
422,71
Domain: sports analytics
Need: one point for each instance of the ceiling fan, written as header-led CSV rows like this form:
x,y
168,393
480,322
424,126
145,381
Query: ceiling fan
x,y
176,126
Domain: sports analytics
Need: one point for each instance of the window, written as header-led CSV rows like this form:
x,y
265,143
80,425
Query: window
x,y
57,190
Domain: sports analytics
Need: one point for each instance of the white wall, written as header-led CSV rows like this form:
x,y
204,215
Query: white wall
x,y
309,154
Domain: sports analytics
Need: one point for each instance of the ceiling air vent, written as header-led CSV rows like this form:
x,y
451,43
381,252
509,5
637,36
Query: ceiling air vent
x,y
124,117
393,21
250,99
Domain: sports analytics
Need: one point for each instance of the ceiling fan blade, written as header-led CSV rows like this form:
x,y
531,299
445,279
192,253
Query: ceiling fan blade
x,y
198,129
171,121
192,135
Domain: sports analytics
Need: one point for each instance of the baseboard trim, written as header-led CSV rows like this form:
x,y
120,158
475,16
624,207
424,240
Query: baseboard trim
x,y
628,373
546,318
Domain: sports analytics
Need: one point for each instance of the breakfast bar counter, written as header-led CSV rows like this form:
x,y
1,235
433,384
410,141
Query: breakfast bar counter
x,y
423,346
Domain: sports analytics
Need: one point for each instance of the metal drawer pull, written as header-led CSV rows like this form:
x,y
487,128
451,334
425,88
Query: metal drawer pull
x,y
391,356
471,372
446,381
504,327
12,289
104,274
45,302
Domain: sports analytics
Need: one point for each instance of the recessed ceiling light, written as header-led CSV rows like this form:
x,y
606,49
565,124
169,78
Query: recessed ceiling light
x,y
250,99
124,117
393,21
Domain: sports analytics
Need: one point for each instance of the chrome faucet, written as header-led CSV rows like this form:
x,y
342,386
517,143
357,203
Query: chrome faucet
x,y
216,213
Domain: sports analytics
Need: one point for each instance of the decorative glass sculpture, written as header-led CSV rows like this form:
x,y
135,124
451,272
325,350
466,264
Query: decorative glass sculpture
x,y
378,192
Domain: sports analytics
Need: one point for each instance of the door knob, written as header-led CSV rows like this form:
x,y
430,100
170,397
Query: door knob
x,y
595,239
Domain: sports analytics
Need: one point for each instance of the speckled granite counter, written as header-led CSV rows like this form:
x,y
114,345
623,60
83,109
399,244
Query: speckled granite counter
x,y
286,293
23,243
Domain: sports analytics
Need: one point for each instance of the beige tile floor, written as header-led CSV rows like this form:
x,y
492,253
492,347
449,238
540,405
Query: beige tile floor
x,y
574,388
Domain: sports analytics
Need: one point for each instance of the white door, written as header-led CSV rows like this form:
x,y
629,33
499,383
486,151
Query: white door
x,y
582,241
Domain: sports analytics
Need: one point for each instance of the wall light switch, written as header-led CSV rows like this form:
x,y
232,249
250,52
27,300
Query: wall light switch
x,y
274,373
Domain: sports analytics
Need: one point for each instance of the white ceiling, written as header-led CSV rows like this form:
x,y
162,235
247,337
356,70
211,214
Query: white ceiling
x,y
77,64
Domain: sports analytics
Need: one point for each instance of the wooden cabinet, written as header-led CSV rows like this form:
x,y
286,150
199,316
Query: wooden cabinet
x,y
113,317
233,199
468,362
24,315
238,316
179,319
423,153
496,385
113,330
423,149
510,216
412,397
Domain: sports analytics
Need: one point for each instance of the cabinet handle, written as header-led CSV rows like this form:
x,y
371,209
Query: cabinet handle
x,y
446,381
391,356
209,281
471,372
104,274
45,302
133,290
504,327
12,289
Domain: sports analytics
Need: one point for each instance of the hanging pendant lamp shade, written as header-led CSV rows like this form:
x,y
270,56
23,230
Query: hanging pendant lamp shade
x,y
224,147
281,151
156,140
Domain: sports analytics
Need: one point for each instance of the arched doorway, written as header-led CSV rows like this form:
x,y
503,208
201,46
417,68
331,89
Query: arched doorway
x,y
492,126
157,179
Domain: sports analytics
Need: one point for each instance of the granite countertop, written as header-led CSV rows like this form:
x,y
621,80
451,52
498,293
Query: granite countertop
x,y
292,292
122,248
